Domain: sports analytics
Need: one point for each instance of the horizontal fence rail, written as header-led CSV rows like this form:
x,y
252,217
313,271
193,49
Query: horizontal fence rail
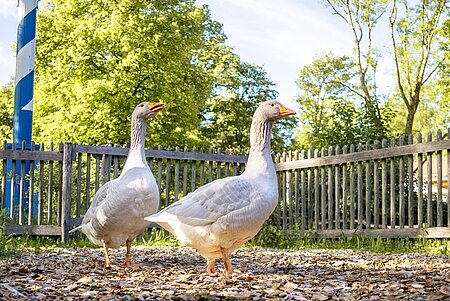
x,y
392,188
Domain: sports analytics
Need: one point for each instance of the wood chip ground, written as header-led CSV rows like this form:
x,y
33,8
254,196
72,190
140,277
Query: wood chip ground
x,y
175,273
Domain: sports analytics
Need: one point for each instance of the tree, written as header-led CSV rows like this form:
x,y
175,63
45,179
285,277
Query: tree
x,y
414,44
240,87
330,112
432,113
6,112
97,59
362,17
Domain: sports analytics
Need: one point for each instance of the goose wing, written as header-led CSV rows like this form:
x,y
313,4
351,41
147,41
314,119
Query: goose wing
x,y
208,203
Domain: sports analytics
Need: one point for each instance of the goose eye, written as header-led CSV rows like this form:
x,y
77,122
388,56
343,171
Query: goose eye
x,y
141,106
272,105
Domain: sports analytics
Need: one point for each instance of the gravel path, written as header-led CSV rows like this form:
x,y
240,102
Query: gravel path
x,y
177,274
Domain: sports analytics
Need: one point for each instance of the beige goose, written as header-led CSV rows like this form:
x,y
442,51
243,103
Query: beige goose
x,y
117,211
219,217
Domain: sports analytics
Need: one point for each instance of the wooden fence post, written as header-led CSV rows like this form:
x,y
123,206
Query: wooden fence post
x,y
66,190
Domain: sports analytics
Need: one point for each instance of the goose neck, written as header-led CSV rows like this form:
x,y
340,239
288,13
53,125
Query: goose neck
x,y
260,159
138,131
260,134
136,154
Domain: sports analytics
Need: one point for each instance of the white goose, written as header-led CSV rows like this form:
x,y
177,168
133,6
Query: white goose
x,y
219,217
117,211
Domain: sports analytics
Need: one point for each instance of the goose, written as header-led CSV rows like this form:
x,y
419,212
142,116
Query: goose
x,y
220,216
118,208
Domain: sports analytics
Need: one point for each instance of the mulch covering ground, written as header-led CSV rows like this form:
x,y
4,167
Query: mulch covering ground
x,y
176,273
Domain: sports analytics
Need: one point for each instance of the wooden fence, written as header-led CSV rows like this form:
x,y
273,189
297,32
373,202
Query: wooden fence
x,y
393,188
389,189
65,178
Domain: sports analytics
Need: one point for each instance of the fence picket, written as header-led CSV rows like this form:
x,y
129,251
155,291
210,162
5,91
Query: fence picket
x,y
79,179
310,193
323,194
420,185
352,190
22,186
284,194
289,194
88,180
330,191
31,189
360,191
296,192
376,202
176,185
193,172
316,194
344,192
440,210
429,185
384,185
168,180
280,189
448,180
185,173
50,190
410,187
40,208
159,176
401,181
337,191
3,187
392,186
303,195
202,169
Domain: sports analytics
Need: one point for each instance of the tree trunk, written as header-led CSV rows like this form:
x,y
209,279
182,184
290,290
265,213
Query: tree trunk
x,y
412,108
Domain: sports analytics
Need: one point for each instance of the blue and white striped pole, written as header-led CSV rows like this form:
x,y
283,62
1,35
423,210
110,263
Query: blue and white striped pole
x,y
26,48
23,106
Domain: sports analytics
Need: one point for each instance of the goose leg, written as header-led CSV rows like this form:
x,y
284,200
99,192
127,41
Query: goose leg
x,y
211,266
105,249
127,261
228,267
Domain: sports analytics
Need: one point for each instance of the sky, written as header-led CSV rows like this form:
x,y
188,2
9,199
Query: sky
x,y
282,36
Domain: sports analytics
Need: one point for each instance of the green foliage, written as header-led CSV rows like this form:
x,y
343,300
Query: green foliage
x,y
362,17
96,60
227,116
431,116
6,111
415,34
13,245
158,237
270,237
331,111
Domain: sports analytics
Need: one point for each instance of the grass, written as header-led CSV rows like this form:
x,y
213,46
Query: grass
x,y
268,237
13,245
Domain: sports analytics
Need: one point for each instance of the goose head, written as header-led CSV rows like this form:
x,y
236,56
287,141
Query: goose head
x,y
272,111
146,110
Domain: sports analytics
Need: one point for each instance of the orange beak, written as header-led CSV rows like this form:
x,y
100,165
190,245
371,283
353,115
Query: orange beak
x,y
156,106
285,111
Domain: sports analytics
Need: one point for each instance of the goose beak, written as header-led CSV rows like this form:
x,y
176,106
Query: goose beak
x,y
156,106
285,111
